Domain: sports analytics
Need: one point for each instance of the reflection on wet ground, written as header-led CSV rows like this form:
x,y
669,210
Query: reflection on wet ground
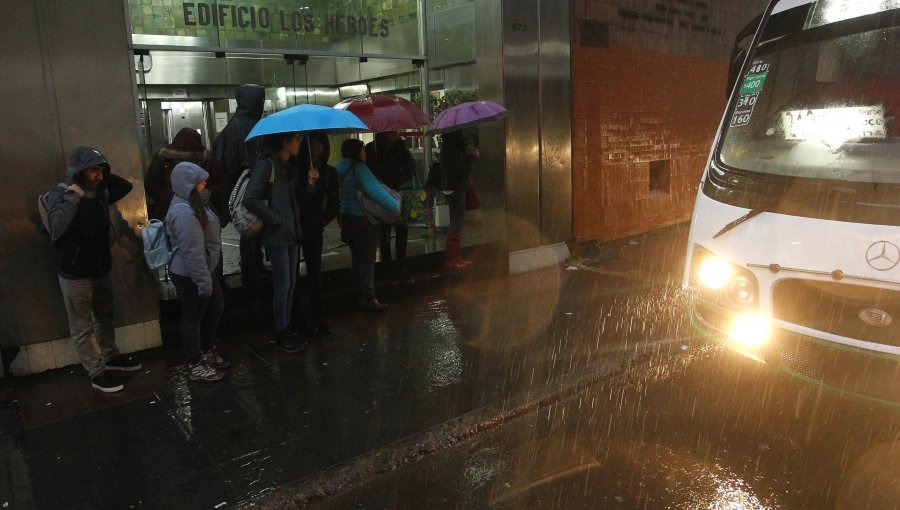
x,y
692,430
579,386
446,348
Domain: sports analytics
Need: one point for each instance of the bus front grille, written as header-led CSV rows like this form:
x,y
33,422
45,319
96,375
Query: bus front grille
x,y
845,370
853,311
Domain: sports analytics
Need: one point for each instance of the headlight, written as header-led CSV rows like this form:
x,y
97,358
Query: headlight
x,y
723,282
741,290
750,331
714,272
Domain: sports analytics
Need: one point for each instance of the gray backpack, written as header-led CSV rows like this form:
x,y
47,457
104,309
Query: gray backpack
x,y
245,222
44,207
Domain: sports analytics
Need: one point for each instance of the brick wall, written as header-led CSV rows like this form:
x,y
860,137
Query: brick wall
x,y
631,108
648,86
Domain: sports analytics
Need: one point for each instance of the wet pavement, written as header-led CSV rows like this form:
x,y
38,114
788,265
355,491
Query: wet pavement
x,y
700,429
580,386
449,347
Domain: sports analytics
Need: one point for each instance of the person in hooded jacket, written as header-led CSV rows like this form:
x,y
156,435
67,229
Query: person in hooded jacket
x,y
322,203
186,146
195,235
457,157
235,155
278,204
393,164
79,224
361,235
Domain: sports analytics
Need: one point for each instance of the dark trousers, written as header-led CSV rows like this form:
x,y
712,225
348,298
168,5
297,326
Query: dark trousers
x,y
251,254
402,238
362,238
199,316
457,203
312,242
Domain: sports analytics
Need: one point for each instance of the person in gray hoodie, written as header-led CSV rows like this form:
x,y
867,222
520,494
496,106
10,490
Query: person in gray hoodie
x,y
78,220
195,235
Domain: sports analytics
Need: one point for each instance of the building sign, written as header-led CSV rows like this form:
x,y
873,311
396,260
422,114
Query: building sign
x,y
331,25
198,14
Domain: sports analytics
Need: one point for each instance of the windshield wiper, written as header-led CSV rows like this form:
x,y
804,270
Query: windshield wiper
x,y
750,215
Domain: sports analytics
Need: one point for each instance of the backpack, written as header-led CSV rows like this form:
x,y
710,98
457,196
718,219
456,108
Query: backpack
x,y
44,207
157,247
245,222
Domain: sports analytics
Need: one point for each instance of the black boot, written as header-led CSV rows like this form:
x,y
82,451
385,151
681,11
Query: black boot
x,y
291,344
322,327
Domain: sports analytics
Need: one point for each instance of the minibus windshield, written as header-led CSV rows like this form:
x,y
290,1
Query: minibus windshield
x,y
815,111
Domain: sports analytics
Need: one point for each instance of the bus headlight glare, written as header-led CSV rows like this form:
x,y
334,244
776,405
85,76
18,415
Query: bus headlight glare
x,y
750,331
715,272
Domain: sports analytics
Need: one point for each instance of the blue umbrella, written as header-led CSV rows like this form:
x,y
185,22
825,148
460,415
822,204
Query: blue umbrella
x,y
308,117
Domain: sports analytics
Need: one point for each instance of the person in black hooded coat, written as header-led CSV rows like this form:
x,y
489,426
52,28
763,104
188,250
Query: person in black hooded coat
x,y
234,156
320,207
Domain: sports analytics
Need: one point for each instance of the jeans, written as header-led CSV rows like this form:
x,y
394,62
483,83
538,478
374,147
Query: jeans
x,y
284,274
311,242
199,316
362,238
457,203
89,304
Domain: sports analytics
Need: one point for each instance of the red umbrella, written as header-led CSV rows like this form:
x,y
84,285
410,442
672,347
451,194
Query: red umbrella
x,y
382,112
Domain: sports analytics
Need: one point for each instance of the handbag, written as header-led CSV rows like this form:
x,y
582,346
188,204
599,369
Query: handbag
x,y
376,214
413,199
473,201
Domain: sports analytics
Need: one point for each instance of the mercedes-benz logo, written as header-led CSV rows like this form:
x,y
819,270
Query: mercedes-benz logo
x,y
883,256
876,317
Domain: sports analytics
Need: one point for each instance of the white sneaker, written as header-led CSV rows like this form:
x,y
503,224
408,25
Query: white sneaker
x,y
203,372
213,360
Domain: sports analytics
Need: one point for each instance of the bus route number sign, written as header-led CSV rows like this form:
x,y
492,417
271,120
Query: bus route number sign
x,y
749,94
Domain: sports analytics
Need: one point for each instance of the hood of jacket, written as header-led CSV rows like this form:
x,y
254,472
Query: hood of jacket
x,y
251,100
187,140
83,158
198,157
323,158
185,178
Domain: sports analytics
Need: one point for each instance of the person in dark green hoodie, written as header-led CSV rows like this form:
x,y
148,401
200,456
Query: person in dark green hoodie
x,y
78,218
278,204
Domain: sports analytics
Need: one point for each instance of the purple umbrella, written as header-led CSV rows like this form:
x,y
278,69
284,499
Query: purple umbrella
x,y
466,115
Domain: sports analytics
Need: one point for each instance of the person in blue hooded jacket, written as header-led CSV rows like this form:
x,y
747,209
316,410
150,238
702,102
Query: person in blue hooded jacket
x,y
194,233
78,220
361,235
